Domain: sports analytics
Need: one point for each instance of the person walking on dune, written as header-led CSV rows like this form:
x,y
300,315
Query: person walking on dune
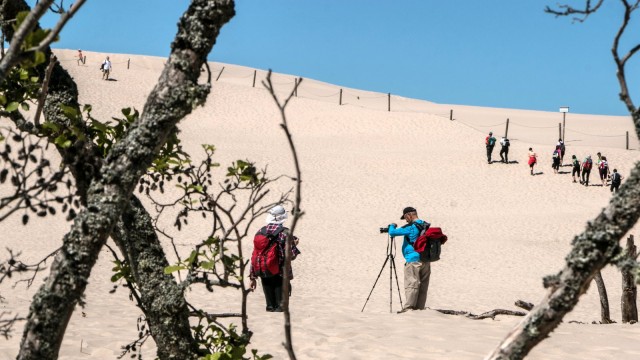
x,y
562,150
106,68
616,179
80,57
533,159
504,150
603,170
489,142
556,160
268,257
587,164
576,168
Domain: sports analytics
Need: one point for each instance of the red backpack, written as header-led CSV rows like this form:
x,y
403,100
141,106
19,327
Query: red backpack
x,y
265,259
429,242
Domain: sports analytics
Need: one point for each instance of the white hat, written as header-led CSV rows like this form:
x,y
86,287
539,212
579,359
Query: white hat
x,y
277,215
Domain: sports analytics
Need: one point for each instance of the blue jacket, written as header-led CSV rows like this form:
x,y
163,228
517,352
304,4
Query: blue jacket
x,y
410,233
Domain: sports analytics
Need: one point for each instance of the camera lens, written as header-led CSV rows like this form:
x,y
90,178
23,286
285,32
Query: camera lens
x,y
384,230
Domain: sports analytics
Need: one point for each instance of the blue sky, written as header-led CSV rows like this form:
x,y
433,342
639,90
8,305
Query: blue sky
x,y
497,53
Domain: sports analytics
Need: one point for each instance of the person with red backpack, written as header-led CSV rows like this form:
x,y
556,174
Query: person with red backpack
x,y
587,164
416,271
603,170
268,257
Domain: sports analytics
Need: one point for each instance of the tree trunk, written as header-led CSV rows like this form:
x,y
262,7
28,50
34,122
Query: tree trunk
x,y
605,318
629,289
162,299
175,96
84,160
591,251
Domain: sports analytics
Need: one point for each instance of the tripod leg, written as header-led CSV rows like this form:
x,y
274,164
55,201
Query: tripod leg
x,y
391,285
374,284
393,265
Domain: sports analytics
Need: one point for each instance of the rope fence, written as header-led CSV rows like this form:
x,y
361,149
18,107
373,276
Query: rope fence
x,y
359,98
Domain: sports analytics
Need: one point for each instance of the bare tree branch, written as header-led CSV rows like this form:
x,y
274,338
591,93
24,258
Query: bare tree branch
x,y
45,88
297,212
66,16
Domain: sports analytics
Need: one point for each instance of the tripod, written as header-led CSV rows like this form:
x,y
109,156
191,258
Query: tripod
x,y
391,254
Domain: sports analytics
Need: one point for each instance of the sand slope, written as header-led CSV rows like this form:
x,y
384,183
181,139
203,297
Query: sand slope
x,y
361,164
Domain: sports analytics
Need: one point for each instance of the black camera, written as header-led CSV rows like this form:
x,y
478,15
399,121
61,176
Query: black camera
x,y
384,230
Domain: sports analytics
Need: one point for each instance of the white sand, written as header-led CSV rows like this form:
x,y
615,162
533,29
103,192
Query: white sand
x,y
361,165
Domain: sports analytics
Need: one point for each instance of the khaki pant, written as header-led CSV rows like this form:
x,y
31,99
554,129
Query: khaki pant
x,y
416,284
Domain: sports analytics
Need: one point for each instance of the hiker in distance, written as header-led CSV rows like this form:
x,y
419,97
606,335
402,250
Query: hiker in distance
x,y
504,150
587,164
603,170
267,259
81,58
106,68
616,179
533,159
576,168
489,142
562,148
416,272
556,160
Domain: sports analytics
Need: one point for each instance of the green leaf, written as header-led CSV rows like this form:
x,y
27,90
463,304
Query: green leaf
x,y
3,100
25,106
51,126
69,111
13,106
39,57
173,268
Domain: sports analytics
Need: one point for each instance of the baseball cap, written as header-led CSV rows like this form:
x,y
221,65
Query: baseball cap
x,y
406,210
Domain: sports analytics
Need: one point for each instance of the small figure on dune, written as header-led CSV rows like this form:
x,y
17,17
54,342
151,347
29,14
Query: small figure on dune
x,y
587,164
80,57
603,170
562,150
576,168
616,179
556,160
490,142
533,159
504,150
106,68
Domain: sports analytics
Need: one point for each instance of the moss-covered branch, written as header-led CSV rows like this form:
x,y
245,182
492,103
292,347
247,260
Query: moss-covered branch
x,y
176,94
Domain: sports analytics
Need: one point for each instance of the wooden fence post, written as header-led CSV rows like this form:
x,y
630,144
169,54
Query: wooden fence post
x,y
254,77
128,62
340,97
604,299
559,130
627,140
220,73
506,130
451,114
389,101
629,289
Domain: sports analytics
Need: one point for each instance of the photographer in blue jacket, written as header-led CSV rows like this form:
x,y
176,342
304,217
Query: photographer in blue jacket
x,y
416,272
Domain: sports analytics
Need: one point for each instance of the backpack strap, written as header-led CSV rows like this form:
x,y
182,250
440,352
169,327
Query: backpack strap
x,y
273,237
421,228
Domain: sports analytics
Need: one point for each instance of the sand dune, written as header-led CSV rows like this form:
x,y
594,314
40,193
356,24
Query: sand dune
x,y
361,164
